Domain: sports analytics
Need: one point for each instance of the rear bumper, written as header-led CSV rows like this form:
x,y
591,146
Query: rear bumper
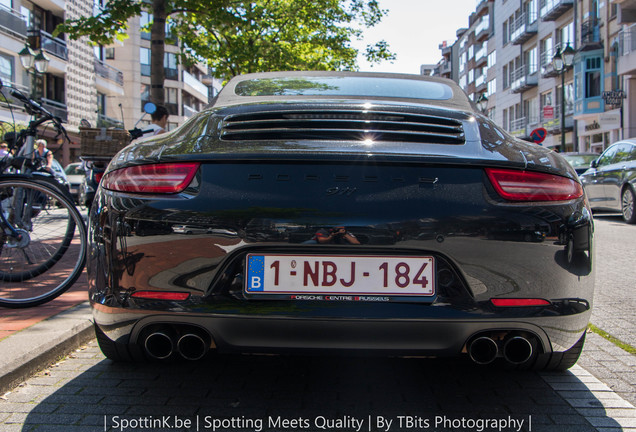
x,y
394,336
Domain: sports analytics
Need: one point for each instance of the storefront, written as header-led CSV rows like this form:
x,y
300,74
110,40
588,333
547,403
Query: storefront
x,y
597,131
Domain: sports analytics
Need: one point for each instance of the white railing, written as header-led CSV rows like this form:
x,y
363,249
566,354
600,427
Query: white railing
x,y
484,24
627,40
551,5
188,111
190,80
481,53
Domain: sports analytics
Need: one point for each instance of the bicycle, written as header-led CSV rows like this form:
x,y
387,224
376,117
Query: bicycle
x,y
40,255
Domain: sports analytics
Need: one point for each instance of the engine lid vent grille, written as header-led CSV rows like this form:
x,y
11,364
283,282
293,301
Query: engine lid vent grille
x,y
342,125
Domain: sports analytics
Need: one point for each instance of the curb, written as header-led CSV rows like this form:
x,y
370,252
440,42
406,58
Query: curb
x,y
33,349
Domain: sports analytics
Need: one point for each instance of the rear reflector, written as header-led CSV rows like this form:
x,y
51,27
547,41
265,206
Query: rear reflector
x,y
158,178
511,302
518,185
161,295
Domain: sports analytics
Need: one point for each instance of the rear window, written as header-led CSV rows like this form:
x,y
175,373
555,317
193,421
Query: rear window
x,y
344,86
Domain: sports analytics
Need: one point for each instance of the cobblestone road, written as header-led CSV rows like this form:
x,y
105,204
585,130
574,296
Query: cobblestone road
x,y
86,393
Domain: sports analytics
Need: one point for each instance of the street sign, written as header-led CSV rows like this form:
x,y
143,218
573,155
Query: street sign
x,y
548,112
538,135
614,97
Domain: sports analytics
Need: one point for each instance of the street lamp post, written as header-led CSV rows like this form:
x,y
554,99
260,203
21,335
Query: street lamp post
x,y
482,103
561,62
34,64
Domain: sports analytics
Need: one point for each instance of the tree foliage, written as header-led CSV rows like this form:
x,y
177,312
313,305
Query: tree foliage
x,y
236,37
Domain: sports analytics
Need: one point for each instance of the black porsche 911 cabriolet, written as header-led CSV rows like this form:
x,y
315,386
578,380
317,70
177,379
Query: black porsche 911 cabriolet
x,y
341,212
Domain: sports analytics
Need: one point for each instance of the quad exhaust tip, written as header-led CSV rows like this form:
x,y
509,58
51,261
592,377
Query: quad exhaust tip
x,y
483,350
164,342
159,345
517,350
192,346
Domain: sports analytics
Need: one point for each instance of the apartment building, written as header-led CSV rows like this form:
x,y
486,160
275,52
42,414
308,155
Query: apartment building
x,y
187,88
69,86
105,86
526,92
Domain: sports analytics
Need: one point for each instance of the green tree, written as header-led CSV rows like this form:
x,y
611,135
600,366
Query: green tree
x,y
236,37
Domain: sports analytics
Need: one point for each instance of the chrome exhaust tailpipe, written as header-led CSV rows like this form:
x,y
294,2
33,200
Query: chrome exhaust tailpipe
x,y
192,346
159,345
517,350
483,350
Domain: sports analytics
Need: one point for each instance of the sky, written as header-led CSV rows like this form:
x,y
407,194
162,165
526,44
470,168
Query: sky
x,y
414,29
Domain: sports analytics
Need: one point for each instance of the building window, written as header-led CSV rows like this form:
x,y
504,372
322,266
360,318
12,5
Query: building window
x,y
492,86
505,77
6,68
101,103
593,77
109,53
170,65
144,58
505,33
492,59
171,100
531,60
531,108
566,35
531,10
546,100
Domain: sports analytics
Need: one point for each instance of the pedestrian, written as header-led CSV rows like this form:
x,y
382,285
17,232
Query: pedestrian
x,y
4,149
44,155
159,121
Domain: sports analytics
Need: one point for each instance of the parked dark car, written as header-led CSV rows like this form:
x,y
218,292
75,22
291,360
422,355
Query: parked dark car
x,y
610,183
341,212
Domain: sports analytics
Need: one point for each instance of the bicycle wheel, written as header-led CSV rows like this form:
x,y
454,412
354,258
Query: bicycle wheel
x,y
50,252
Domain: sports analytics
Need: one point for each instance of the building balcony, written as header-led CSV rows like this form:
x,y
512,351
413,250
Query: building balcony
x,y
188,111
39,39
480,84
524,28
523,79
590,32
56,6
481,6
481,56
627,51
553,9
553,123
103,121
482,30
12,22
195,87
519,128
445,67
58,109
110,73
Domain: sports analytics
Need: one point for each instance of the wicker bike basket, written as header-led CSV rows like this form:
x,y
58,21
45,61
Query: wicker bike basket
x,y
102,141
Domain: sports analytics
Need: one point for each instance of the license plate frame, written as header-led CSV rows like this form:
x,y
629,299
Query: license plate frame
x,y
334,277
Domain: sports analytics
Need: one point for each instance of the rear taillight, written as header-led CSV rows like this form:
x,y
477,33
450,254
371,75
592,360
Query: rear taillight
x,y
518,185
159,178
97,176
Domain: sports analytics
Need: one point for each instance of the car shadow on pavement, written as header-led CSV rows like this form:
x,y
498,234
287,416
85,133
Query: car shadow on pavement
x,y
85,392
